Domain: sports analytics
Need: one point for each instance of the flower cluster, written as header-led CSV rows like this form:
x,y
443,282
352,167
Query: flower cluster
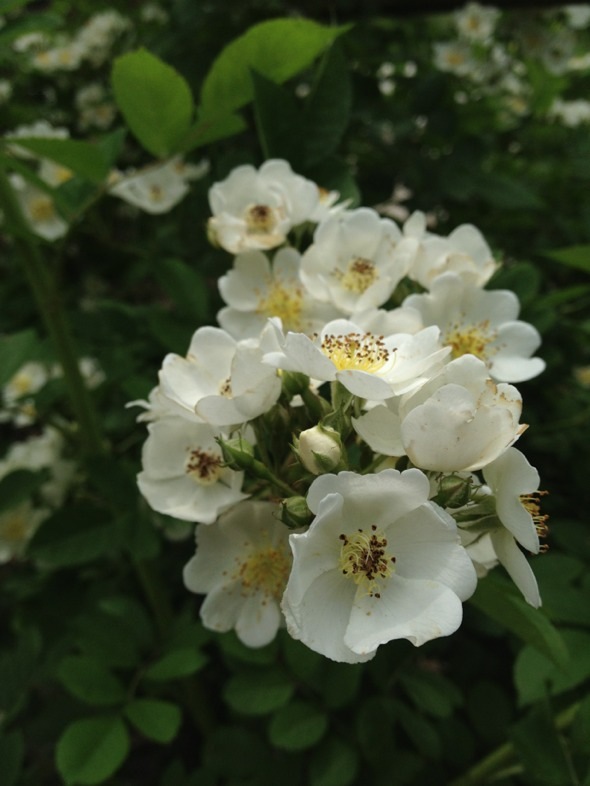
x,y
344,439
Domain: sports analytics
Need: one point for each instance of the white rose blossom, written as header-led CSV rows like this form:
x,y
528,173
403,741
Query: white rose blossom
x,y
256,209
367,365
183,471
156,189
482,323
352,263
379,562
256,289
242,563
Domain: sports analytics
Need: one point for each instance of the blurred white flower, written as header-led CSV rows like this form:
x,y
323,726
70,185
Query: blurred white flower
x,y
242,564
476,22
155,189
39,209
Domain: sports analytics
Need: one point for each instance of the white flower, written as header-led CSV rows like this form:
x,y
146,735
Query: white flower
x,y
183,473
351,262
256,209
41,129
5,90
242,563
66,55
319,449
17,527
464,252
571,113
476,22
459,420
379,562
256,290
39,209
16,394
578,16
482,323
221,380
454,57
369,366
155,189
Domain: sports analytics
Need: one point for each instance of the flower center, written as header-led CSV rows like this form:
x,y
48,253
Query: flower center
x,y
260,219
472,340
267,571
284,303
365,560
360,275
357,351
225,388
14,527
41,209
204,467
531,503
156,193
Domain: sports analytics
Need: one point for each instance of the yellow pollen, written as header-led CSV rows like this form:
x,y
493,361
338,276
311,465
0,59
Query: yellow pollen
x,y
225,388
204,467
260,219
65,57
356,351
365,560
284,303
41,208
472,340
360,275
455,58
267,571
14,527
531,503
21,383
156,193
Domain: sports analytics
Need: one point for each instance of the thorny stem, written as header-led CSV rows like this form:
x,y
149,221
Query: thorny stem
x,y
49,304
480,773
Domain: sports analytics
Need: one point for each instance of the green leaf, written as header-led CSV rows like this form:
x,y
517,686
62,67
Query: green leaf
x,y
374,729
155,101
255,692
574,256
334,764
12,751
185,286
18,668
18,486
84,158
498,599
73,536
431,693
87,679
278,49
535,675
327,110
210,128
278,121
16,350
540,750
92,749
158,720
175,664
340,684
297,727
581,728
422,732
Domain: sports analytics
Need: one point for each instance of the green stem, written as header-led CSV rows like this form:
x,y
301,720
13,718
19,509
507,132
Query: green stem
x,y
50,306
503,755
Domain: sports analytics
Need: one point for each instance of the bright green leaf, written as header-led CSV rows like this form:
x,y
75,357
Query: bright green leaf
x,y
88,680
155,101
175,664
92,749
254,692
210,128
297,727
498,599
158,720
84,158
278,49
574,256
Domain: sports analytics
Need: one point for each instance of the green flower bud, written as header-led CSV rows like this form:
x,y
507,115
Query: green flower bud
x,y
453,491
237,453
295,513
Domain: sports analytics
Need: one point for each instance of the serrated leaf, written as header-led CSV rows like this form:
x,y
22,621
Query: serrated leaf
x,y
573,256
85,159
155,100
279,121
254,692
88,680
16,350
175,664
496,598
297,727
334,764
92,749
74,536
158,720
327,110
278,49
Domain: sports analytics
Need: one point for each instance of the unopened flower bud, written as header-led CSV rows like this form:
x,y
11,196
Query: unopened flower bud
x,y
320,449
453,491
238,453
295,513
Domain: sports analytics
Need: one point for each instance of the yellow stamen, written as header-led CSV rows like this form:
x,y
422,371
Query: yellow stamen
x,y
41,208
204,467
260,219
360,275
365,560
284,303
267,571
356,351
471,340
